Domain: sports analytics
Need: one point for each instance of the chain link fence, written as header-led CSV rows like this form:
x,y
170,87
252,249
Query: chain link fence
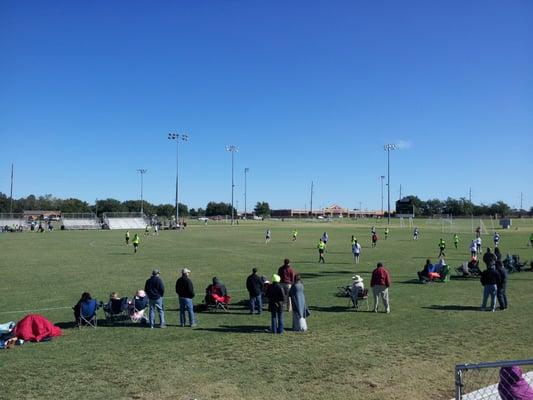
x,y
506,380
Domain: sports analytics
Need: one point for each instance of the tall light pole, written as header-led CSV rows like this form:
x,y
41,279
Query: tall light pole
x,y
177,137
382,177
388,148
142,172
232,149
11,194
246,170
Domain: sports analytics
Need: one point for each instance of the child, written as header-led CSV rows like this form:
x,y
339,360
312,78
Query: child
x,y
136,241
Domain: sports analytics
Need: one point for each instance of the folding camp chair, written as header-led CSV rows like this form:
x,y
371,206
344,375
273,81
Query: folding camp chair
x,y
216,302
116,309
88,314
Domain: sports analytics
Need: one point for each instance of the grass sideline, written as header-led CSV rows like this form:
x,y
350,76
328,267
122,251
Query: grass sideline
x,y
408,354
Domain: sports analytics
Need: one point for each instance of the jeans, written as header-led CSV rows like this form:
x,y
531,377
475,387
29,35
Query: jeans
x,y
186,304
156,304
277,321
502,297
256,303
489,290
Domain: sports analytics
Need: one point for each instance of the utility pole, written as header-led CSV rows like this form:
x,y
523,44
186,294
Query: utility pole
x,y
400,192
232,149
382,177
521,201
142,172
11,193
177,137
388,148
311,208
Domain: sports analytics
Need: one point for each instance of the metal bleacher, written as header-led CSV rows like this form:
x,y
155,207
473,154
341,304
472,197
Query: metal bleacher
x,y
80,221
125,220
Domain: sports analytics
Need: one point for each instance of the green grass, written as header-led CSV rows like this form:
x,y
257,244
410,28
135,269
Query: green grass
x,y
408,354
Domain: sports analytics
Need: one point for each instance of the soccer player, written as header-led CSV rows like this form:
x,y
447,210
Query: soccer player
x,y
268,236
455,240
478,231
473,248
354,240
386,233
496,239
478,245
374,240
321,248
356,251
294,235
442,246
415,233
127,237
373,230
325,238
136,241
156,229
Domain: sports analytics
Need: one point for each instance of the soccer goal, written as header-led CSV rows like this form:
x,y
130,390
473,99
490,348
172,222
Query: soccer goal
x,y
491,380
447,224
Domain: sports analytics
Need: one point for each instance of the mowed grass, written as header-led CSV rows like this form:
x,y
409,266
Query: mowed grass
x,y
408,354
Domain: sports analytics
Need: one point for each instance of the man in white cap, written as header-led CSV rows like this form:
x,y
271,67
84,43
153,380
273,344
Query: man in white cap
x,y
155,289
357,289
185,291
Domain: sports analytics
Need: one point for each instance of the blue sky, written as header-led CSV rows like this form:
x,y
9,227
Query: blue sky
x,y
309,91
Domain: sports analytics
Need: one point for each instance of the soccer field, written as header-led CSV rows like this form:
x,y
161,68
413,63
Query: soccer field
x,y
407,354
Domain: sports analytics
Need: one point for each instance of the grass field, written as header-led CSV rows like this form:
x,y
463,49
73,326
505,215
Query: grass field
x,y
408,354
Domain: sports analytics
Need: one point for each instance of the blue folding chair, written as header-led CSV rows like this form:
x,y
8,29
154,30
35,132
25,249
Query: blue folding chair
x,y
88,314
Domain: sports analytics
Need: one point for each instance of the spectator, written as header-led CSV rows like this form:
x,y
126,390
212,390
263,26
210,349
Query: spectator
x,y
255,285
216,292
513,386
155,290
498,254
356,250
489,258
185,291
380,284
501,286
490,280
357,289
299,308
276,300
286,274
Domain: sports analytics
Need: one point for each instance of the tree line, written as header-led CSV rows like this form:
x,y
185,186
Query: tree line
x,y
461,207
73,205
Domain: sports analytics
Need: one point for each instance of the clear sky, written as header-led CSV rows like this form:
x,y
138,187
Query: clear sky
x,y
308,91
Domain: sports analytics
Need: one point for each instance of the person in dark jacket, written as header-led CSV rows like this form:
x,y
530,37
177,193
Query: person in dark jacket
x,y
501,286
155,290
216,291
497,254
489,258
254,285
276,300
185,291
286,274
490,280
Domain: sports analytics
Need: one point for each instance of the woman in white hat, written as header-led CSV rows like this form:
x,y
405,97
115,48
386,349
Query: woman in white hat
x,y
357,289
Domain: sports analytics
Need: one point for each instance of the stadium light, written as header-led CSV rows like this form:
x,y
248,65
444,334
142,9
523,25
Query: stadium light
x,y
142,172
232,149
177,137
246,170
388,148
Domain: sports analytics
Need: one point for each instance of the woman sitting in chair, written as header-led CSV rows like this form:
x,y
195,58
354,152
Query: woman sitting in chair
x,y
137,305
357,289
86,305
216,292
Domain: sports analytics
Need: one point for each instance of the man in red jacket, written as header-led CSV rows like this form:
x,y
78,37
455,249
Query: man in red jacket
x,y
287,275
380,284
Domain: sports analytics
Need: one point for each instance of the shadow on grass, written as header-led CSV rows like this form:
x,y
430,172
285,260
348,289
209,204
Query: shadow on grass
x,y
102,323
452,307
411,281
236,329
329,309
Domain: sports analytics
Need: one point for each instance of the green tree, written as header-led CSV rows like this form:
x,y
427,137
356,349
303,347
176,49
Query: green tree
x,y
214,208
262,209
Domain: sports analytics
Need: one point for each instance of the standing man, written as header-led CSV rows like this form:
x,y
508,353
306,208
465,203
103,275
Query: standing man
x,y
501,285
489,258
356,251
442,247
254,285
286,274
155,289
455,240
490,280
127,237
276,298
185,291
136,241
321,248
380,284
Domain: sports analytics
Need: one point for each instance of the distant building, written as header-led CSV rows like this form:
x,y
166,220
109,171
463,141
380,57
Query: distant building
x,y
34,215
333,211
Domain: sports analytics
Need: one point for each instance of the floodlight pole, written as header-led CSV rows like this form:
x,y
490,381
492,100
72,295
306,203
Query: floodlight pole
x,y
177,137
388,148
232,149
11,194
246,170
142,172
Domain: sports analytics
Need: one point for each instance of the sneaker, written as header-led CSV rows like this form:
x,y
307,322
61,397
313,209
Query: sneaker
x,y
163,326
194,325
